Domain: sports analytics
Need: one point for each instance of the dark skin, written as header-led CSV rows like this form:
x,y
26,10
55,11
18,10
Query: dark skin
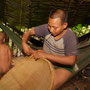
x,y
5,58
57,29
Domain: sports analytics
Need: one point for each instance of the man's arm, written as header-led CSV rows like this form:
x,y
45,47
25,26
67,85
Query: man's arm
x,y
65,60
26,48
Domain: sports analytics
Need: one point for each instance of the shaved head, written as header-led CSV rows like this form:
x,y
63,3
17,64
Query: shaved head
x,y
58,13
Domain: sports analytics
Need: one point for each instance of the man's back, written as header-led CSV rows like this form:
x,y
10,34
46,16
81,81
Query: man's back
x,y
5,58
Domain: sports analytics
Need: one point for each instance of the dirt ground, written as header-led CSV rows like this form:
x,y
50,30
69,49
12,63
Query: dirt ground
x,y
80,82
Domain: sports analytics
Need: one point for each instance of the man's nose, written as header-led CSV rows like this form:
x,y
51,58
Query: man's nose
x,y
51,29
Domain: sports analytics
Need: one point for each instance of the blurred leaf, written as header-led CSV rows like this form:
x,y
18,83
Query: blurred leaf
x,y
81,30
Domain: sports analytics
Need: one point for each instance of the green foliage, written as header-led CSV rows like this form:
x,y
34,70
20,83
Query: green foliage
x,y
81,30
0,29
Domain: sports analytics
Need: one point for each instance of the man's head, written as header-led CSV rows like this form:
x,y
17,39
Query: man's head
x,y
58,13
2,37
57,22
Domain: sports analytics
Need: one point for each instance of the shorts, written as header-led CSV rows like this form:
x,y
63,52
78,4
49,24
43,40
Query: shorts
x,y
67,68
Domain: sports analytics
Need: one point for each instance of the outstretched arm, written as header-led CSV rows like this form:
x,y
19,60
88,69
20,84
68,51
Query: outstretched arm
x,y
26,48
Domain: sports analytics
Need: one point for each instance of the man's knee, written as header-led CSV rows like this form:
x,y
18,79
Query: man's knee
x,y
61,76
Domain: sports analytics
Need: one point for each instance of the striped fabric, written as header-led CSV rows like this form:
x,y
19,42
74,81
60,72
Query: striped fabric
x,y
51,46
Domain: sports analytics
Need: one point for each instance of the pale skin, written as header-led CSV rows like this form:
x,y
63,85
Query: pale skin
x,y
5,58
57,30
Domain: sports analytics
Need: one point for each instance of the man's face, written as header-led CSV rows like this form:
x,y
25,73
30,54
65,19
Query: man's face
x,y
55,26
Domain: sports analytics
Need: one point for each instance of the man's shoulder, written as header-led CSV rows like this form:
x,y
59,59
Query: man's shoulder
x,y
4,46
70,36
41,30
70,33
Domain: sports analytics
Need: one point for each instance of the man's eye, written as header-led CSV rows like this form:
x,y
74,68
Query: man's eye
x,y
55,27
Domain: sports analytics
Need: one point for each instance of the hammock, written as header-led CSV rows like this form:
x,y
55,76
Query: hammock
x,y
83,54
83,59
15,38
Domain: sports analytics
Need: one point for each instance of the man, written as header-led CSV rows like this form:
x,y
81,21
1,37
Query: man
x,y
60,45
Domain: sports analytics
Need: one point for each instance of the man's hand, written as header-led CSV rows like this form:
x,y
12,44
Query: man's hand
x,y
26,48
38,54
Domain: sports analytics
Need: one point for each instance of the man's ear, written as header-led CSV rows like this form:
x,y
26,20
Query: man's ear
x,y
65,25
